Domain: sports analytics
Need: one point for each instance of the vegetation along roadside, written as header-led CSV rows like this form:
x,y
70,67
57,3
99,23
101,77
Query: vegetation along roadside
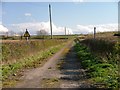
x,y
32,61
100,58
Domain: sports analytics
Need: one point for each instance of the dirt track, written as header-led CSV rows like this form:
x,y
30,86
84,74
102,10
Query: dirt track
x,y
63,70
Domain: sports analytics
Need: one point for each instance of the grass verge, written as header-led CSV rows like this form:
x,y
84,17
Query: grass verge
x,y
100,72
29,62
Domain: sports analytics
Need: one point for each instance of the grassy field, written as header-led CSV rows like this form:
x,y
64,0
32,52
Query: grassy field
x,y
104,36
14,50
37,37
100,57
17,54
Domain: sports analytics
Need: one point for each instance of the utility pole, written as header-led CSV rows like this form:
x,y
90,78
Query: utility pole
x,y
65,31
94,32
50,20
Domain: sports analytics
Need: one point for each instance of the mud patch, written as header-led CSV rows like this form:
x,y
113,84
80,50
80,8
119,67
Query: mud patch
x,y
50,83
59,64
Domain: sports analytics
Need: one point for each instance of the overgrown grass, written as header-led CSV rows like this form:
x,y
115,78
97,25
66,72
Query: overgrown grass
x,y
101,69
18,55
99,46
107,51
15,50
29,62
104,36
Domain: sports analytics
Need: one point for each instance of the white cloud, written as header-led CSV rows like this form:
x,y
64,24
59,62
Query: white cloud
x,y
3,29
99,28
33,27
28,14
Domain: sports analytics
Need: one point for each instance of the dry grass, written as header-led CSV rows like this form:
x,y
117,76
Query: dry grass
x,y
12,51
104,36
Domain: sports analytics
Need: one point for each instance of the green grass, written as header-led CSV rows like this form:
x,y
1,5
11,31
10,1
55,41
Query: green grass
x,y
100,69
29,62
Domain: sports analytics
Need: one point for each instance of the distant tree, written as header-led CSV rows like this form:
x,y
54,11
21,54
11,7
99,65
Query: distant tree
x,y
5,35
42,33
11,33
21,34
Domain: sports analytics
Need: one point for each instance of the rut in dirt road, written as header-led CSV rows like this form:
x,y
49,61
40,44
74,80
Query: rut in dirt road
x,y
72,74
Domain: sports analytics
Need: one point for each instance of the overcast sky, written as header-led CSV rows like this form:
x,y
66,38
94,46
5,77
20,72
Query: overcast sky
x,y
78,17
